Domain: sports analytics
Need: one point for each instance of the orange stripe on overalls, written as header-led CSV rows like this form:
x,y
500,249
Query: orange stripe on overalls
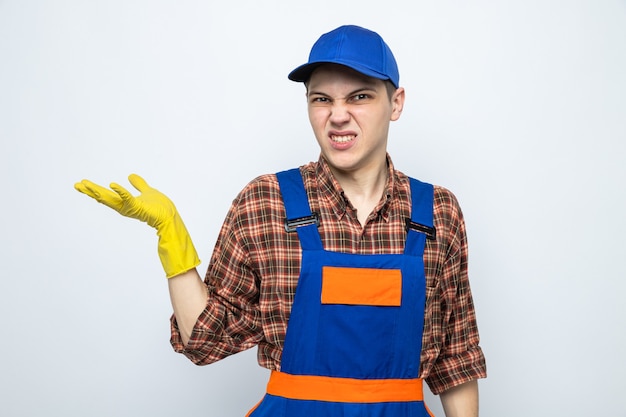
x,y
323,388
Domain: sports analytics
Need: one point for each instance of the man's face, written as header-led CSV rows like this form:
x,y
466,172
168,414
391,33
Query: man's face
x,y
350,115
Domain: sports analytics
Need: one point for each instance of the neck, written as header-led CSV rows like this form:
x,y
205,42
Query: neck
x,y
363,189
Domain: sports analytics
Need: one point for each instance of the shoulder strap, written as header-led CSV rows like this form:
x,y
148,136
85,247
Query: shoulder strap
x,y
299,216
420,226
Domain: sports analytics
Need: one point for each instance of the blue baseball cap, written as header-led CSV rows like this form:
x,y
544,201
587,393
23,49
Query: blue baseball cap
x,y
355,47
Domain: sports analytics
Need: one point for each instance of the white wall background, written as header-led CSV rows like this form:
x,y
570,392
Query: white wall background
x,y
517,106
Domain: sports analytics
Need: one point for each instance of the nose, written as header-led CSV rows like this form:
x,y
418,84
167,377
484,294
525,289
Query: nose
x,y
339,113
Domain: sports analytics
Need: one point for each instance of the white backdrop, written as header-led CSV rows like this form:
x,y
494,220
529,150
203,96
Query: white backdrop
x,y
519,107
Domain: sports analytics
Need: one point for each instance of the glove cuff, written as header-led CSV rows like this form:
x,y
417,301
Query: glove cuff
x,y
176,250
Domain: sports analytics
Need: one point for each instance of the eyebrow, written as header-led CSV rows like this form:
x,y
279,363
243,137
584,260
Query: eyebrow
x,y
369,87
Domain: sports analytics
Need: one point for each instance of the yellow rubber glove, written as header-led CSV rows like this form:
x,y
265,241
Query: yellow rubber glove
x,y
176,249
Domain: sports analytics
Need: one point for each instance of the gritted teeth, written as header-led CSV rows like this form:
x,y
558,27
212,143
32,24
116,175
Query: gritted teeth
x,y
342,139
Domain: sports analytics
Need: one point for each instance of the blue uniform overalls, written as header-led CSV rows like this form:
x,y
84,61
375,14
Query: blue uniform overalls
x,y
354,335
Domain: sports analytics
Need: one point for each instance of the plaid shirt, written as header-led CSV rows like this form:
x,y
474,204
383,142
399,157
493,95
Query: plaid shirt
x,y
255,266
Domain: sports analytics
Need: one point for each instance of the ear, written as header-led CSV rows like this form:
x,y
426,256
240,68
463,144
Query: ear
x,y
397,103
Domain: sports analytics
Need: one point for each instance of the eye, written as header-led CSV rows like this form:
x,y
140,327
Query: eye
x,y
360,97
319,99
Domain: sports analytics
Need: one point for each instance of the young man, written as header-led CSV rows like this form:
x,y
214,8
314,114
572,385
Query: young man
x,y
349,276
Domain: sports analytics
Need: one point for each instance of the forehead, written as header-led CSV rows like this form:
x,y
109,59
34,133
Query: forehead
x,y
329,74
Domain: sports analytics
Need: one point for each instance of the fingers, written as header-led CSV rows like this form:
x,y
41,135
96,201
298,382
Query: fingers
x,y
113,198
139,183
91,189
124,194
79,186
99,193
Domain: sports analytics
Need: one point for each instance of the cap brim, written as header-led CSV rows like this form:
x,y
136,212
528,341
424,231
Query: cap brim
x,y
303,72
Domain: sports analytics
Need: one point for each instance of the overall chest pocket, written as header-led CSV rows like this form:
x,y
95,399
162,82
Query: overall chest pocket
x,y
361,286
358,321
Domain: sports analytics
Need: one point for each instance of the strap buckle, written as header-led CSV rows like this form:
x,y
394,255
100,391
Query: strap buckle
x,y
430,232
293,224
